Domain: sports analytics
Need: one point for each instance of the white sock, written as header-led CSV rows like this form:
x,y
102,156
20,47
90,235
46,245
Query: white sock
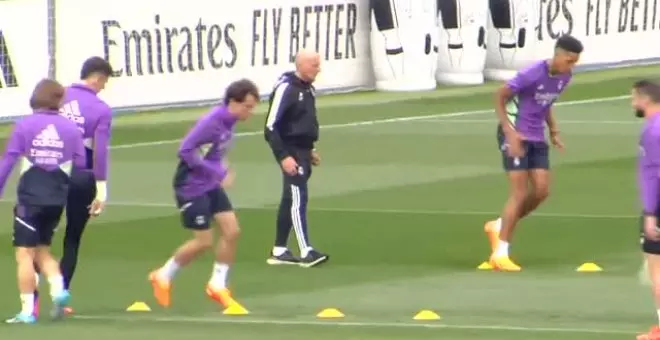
x,y
168,270
502,248
37,278
219,275
498,224
304,252
27,304
56,285
658,316
278,251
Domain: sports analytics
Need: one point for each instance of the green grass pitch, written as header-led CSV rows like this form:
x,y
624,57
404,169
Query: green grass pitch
x,y
407,182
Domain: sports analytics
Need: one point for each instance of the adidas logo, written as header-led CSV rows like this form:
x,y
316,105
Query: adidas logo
x,y
48,137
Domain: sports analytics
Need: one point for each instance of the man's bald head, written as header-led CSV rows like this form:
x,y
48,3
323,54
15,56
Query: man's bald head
x,y
308,65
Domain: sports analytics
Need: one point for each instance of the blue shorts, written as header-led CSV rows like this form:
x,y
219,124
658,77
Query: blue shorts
x,y
34,225
197,212
536,154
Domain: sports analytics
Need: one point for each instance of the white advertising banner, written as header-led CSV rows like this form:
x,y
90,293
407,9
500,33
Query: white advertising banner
x,y
462,52
23,53
168,52
404,44
614,32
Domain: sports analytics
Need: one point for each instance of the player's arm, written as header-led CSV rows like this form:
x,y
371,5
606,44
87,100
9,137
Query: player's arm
x,y
14,149
283,98
101,154
189,150
508,90
552,123
650,188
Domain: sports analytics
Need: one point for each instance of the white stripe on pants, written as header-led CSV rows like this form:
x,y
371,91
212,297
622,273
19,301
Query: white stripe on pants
x,y
296,219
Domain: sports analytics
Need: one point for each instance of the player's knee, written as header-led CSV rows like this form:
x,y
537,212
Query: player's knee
x,y
656,288
228,224
541,193
232,234
25,255
204,239
518,194
44,257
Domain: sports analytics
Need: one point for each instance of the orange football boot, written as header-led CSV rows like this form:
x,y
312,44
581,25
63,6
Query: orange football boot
x,y
504,264
653,334
221,296
161,289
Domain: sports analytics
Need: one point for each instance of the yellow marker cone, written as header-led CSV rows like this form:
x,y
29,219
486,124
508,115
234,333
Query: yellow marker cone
x,y
426,315
138,306
235,309
330,313
589,267
485,266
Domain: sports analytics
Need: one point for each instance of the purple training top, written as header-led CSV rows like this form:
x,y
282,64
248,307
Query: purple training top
x,y
50,146
649,165
93,118
535,90
201,167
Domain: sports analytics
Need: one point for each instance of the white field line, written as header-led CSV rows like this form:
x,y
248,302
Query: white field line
x,y
250,321
562,121
379,121
387,211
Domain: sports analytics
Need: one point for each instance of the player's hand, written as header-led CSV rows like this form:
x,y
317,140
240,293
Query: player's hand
x,y
289,166
316,158
514,141
651,230
96,208
556,141
228,181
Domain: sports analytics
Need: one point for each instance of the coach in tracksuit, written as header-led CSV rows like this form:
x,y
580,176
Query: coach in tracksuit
x,y
291,131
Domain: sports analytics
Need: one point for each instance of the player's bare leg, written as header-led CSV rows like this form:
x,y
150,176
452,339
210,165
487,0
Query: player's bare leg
x,y
540,180
51,268
518,186
653,267
224,257
25,259
540,189
161,278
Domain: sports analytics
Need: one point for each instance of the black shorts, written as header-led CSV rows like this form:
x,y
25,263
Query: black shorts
x,y
648,246
197,212
536,154
34,225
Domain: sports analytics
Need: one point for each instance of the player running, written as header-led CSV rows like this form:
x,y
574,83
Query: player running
x,y
199,185
88,191
50,146
646,103
523,106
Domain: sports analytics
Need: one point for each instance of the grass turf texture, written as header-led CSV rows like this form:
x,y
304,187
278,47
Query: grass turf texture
x,y
399,206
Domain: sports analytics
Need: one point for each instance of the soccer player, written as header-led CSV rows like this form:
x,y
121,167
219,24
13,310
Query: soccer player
x,y
291,130
646,103
199,185
88,191
523,106
50,146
